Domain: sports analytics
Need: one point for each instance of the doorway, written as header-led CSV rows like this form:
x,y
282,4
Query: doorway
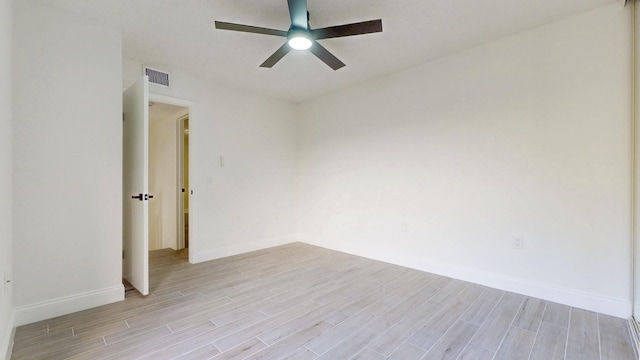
x,y
171,214
167,175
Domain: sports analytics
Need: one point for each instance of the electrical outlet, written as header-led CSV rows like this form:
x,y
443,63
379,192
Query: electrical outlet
x,y
518,243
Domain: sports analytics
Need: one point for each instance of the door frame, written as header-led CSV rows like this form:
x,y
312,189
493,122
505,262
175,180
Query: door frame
x,y
193,175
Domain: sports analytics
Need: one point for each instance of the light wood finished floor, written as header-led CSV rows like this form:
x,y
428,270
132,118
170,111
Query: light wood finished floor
x,y
302,302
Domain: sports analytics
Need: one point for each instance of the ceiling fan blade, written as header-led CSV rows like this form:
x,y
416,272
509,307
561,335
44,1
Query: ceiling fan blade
x,y
279,54
250,29
326,57
365,27
298,13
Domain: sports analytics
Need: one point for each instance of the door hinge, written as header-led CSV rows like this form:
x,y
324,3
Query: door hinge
x,y
123,254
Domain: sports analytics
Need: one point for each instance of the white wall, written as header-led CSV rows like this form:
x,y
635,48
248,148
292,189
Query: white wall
x,y
67,163
163,181
6,174
251,202
441,166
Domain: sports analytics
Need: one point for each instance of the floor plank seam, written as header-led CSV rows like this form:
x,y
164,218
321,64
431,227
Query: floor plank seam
x,y
566,344
599,340
504,337
370,349
446,331
524,299
305,346
509,328
538,330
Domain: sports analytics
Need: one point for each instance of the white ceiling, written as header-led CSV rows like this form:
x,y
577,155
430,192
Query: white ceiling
x,y
160,111
174,34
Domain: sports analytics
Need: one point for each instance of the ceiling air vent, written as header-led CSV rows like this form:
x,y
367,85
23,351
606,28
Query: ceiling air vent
x,y
158,77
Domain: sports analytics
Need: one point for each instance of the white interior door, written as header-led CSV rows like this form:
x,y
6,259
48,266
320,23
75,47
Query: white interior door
x,y
135,185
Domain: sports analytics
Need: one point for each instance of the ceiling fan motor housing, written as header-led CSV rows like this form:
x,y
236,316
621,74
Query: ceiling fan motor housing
x,y
294,33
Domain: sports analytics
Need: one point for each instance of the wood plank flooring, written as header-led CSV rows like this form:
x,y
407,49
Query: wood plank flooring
x,y
303,302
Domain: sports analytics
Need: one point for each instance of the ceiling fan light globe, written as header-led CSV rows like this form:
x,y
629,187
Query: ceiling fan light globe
x,y
300,43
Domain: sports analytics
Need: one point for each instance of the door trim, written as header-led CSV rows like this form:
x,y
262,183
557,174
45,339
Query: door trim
x,y
193,169
180,179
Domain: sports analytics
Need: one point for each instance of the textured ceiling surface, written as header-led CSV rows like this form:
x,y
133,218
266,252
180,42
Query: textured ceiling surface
x,y
173,34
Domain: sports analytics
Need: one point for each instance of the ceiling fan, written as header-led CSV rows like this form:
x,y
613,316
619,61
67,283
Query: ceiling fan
x,y
300,36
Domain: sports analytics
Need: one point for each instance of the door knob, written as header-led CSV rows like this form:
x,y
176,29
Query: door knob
x,y
139,197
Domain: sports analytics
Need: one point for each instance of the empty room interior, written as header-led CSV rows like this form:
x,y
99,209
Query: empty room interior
x,y
309,179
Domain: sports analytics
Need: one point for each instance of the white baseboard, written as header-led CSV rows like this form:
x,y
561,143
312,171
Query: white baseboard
x,y
572,297
9,334
68,304
224,251
580,299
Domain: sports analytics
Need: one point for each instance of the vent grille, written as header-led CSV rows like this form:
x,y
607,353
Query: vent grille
x,y
157,77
